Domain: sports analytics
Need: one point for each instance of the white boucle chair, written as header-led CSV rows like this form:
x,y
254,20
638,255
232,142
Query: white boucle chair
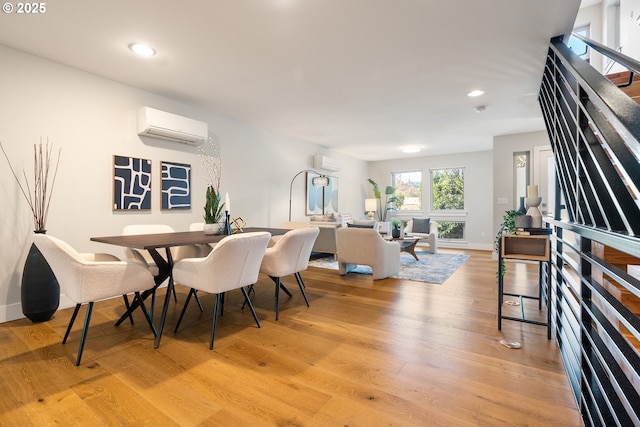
x,y
144,257
431,238
289,255
86,278
366,246
232,264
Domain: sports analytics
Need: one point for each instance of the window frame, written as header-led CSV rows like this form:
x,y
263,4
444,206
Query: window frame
x,y
421,195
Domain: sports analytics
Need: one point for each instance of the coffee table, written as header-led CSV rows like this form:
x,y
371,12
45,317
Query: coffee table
x,y
407,244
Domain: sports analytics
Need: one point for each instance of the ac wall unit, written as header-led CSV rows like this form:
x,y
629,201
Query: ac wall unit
x,y
325,162
160,124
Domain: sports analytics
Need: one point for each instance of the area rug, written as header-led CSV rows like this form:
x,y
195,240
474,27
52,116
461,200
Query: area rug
x,y
431,268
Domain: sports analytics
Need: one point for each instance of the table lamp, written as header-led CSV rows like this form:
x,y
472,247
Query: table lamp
x,y
370,206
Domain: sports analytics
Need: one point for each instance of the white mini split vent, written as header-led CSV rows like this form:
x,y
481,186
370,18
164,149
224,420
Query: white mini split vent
x,y
325,162
160,124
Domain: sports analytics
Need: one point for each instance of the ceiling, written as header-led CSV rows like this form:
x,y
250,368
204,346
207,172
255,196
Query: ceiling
x,y
363,77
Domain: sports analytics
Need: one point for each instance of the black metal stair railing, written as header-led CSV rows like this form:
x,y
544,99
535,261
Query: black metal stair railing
x,y
594,131
597,142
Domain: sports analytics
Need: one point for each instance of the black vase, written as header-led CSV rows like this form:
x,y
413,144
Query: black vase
x,y
395,232
40,291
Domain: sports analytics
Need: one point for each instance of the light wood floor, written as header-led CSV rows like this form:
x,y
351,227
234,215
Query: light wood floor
x,y
389,352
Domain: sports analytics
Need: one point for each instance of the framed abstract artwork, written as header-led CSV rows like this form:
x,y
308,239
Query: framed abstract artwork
x,y
176,185
321,200
131,183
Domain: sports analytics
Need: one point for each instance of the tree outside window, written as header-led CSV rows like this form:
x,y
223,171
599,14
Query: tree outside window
x,y
447,195
408,187
447,189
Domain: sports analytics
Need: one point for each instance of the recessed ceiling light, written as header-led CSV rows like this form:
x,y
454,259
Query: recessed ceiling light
x,y
142,49
408,149
476,92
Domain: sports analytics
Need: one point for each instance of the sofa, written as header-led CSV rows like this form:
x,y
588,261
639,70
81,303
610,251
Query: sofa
x,y
326,240
366,246
430,238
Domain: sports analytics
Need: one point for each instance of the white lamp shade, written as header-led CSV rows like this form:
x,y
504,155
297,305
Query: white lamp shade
x,y
370,205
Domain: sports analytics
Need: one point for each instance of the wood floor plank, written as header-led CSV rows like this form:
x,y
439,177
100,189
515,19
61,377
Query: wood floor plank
x,y
365,353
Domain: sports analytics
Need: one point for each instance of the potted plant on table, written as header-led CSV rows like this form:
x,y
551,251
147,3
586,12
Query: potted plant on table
x,y
509,225
397,230
39,290
213,207
213,210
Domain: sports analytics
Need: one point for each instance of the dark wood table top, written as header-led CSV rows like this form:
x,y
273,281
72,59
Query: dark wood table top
x,y
179,238
407,238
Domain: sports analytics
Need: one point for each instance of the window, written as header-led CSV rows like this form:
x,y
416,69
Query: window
x,y
408,187
447,189
447,202
521,177
578,46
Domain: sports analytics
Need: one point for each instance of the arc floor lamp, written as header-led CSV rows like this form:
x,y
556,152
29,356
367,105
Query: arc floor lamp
x,y
317,181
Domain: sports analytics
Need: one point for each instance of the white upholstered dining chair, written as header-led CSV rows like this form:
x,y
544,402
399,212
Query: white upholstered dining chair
x,y
289,255
86,278
232,264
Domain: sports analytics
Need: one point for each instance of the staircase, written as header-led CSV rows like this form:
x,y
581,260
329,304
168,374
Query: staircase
x,y
594,130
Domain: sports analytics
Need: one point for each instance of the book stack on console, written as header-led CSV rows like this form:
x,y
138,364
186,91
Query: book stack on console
x,y
533,231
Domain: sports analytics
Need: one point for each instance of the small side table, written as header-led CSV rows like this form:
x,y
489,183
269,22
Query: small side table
x,y
407,244
531,248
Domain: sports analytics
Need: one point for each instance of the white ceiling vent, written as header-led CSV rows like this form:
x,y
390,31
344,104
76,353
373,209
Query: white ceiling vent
x,y
160,124
325,162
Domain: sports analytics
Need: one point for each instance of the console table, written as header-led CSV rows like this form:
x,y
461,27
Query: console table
x,y
529,248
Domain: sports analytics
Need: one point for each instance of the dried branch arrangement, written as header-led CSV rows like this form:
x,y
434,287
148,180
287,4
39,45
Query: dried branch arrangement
x,y
212,164
38,194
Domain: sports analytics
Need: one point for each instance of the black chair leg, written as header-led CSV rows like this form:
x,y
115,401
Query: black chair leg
x,y
73,319
214,321
184,309
249,290
247,300
277,280
278,285
195,294
301,285
83,338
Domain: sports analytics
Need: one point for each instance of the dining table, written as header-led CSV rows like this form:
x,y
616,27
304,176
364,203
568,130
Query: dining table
x,y
152,243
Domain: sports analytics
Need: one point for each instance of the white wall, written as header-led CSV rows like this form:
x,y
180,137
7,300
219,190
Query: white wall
x,y
630,28
592,16
478,189
503,174
91,119
602,21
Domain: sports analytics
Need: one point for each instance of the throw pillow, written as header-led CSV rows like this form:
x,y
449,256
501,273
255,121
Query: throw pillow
x,y
360,225
421,225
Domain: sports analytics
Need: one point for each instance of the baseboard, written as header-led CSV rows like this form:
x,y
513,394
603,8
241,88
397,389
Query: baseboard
x,y
14,311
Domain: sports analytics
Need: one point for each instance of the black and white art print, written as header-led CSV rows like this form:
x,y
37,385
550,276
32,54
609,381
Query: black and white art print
x,y
131,183
176,185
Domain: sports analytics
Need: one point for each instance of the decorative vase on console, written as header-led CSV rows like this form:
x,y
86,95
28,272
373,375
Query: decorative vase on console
x,y
533,201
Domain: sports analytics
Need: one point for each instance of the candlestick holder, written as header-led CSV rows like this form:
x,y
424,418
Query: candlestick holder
x,y
227,224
